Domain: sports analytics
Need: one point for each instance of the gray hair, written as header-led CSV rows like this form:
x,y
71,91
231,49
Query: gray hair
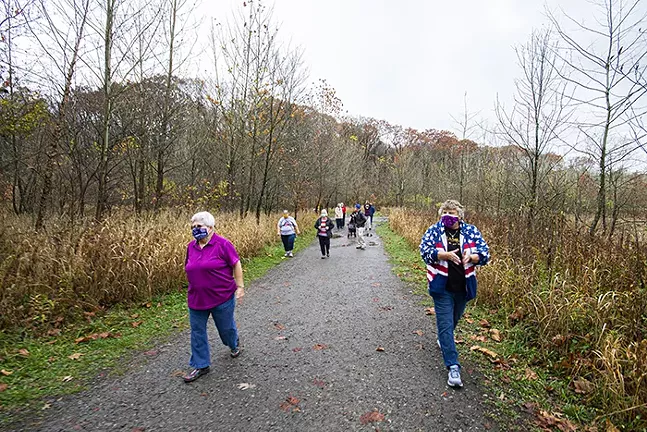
x,y
452,205
204,218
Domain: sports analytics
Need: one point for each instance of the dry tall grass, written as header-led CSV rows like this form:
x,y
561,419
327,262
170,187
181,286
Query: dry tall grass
x,y
51,278
582,300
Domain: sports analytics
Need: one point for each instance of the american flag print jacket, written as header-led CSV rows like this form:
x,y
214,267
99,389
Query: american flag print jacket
x,y
435,240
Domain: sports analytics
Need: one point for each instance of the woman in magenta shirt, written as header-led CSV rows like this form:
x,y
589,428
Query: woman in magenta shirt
x,y
215,278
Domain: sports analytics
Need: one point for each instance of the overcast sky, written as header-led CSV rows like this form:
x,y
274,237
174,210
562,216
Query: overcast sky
x,y
411,61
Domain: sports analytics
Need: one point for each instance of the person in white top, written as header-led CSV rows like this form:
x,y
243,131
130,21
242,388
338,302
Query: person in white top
x,y
339,216
288,229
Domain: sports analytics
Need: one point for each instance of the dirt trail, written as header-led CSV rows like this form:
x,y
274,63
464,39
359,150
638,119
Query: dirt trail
x,y
310,329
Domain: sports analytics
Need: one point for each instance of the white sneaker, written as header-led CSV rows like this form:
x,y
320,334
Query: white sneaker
x,y
454,379
290,254
438,342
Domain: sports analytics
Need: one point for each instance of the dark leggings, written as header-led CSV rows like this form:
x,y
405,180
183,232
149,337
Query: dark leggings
x,y
324,244
340,223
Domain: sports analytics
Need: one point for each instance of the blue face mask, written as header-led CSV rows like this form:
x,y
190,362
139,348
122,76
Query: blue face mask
x,y
199,233
449,220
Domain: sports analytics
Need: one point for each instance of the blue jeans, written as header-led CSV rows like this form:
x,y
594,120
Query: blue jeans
x,y
288,242
449,308
223,317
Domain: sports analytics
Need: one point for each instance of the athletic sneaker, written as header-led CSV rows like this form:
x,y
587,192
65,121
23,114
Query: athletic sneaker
x,y
290,255
454,379
235,352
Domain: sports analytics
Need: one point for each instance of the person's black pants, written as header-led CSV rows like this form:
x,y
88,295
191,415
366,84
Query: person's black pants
x,y
340,223
324,244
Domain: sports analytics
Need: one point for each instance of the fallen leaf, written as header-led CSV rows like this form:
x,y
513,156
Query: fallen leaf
x,y
459,341
46,406
297,349
485,351
245,386
430,311
54,332
558,340
376,284
203,394
530,375
376,299
51,359
319,383
371,417
469,320
444,394
319,347
75,356
380,349
136,324
67,378
418,332
177,373
502,396
583,386
3,387
23,352
89,314
611,427
138,429
134,316
149,304
478,338
151,352
5,372
290,404
279,326
387,308
495,335
484,323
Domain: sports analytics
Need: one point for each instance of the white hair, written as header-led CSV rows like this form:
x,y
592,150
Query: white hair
x,y
204,218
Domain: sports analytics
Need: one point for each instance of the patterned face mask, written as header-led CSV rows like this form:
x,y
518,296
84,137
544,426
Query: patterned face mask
x,y
199,232
449,220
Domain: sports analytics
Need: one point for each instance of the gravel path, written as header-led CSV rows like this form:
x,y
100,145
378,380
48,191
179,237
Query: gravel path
x,y
310,329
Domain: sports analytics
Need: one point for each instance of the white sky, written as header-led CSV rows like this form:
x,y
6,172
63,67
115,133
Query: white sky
x,y
411,61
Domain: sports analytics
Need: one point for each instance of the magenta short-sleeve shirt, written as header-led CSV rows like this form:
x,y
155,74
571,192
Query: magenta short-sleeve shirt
x,y
210,272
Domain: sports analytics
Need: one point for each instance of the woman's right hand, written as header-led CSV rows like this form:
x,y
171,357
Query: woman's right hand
x,y
449,256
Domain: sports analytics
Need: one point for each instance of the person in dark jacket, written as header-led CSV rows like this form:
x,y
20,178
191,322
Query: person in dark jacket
x,y
358,219
324,226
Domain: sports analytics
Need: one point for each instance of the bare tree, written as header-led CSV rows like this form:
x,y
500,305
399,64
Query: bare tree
x,y
600,64
539,115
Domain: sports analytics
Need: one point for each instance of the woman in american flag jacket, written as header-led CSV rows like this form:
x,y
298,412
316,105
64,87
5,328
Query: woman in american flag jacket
x,y
452,249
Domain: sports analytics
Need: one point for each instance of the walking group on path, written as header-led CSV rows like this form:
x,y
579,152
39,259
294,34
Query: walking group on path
x,y
451,248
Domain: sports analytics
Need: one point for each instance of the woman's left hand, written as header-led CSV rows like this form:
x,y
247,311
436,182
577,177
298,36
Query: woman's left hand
x,y
240,292
470,258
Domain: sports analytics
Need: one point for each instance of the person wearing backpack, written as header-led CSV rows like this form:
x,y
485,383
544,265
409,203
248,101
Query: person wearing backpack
x,y
324,226
288,229
359,221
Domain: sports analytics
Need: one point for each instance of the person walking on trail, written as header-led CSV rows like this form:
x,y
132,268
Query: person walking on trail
x,y
343,218
324,227
288,229
339,217
215,278
368,215
452,249
359,220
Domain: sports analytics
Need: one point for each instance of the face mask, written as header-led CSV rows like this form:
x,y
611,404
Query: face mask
x,y
199,233
449,220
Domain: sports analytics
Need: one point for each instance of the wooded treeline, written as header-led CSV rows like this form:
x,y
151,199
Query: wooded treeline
x,y
101,106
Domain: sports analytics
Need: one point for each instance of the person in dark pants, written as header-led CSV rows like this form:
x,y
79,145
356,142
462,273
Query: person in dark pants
x,y
452,249
288,229
339,217
324,227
